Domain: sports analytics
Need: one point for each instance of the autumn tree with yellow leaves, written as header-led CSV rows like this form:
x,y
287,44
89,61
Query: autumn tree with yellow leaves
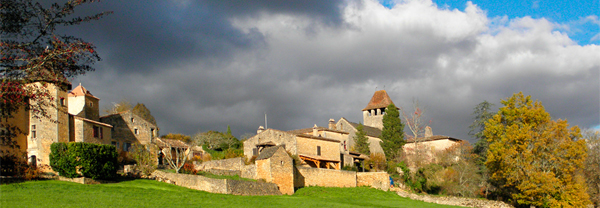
x,y
533,160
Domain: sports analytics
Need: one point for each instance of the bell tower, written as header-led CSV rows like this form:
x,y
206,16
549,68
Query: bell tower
x,y
373,113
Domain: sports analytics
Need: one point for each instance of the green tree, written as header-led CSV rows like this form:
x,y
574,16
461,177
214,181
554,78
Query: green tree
x,y
482,113
361,142
141,110
532,160
392,135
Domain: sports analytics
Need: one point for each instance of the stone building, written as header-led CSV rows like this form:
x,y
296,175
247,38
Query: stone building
x,y
425,148
276,166
315,150
129,128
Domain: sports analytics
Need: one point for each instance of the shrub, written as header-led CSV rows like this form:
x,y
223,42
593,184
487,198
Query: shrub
x,y
376,162
90,160
145,157
12,165
188,168
350,168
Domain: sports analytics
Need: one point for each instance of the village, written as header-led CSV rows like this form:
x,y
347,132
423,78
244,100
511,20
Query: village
x,y
322,151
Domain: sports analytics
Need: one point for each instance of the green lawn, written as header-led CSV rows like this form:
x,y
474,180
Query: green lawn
x,y
149,193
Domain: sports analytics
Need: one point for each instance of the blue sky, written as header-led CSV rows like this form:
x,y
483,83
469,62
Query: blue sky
x,y
577,16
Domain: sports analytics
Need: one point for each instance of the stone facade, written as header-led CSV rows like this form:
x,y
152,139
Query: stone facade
x,y
129,128
277,168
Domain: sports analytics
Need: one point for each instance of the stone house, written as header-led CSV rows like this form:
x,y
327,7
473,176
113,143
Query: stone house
x,y
315,150
275,166
129,128
63,123
426,147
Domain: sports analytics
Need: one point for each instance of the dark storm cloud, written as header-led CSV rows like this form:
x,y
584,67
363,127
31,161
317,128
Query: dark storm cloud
x,y
203,65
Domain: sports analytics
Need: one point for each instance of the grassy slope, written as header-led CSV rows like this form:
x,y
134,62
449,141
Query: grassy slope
x,y
148,193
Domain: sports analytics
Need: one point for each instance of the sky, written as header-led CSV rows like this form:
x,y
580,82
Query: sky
x,y
203,65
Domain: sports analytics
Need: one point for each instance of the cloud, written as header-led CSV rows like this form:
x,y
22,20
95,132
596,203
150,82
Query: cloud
x,y
201,66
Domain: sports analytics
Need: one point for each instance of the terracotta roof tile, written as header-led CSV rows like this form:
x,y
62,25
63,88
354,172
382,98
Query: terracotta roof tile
x,y
379,100
81,91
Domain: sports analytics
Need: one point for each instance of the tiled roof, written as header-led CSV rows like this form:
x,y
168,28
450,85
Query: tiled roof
x,y
432,138
379,100
370,131
81,91
268,152
92,121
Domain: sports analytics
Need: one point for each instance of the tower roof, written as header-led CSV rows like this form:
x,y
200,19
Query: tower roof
x,y
81,91
379,100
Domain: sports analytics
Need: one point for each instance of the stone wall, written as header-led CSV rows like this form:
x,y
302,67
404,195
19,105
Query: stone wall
x,y
222,186
324,177
378,180
125,125
249,171
226,164
275,136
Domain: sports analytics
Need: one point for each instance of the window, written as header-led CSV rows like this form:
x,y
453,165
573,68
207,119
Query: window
x,y
62,101
91,104
113,143
33,133
33,160
136,131
96,132
152,132
319,150
126,146
132,119
101,137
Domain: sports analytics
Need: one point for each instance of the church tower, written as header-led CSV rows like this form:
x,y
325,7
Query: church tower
x,y
373,113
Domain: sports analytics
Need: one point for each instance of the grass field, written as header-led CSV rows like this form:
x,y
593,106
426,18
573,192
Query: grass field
x,y
149,193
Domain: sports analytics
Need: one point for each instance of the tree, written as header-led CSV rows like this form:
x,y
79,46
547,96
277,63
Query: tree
x,y
417,126
482,113
392,134
361,141
215,140
33,51
592,165
176,157
533,160
122,106
141,110
145,157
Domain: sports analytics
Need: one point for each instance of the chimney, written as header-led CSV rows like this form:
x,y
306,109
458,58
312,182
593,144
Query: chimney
x,y
428,132
331,124
260,129
315,131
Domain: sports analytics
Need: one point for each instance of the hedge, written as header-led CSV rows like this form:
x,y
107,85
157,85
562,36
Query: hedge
x,y
96,161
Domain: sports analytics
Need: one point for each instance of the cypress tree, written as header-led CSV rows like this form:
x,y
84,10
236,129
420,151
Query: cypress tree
x,y
361,141
392,135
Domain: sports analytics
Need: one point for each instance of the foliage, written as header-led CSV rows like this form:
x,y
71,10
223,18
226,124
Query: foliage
x,y
460,174
350,168
217,141
182,137
392,134
33,51
16,166
592,165
188,168
482,113
361,142
145,157
532,160
376,162
121,106
90,160
141,110
151,193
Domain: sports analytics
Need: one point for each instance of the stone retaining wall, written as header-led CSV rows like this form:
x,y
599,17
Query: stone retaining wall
x,y
378,180
324,177
222,186
225,164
